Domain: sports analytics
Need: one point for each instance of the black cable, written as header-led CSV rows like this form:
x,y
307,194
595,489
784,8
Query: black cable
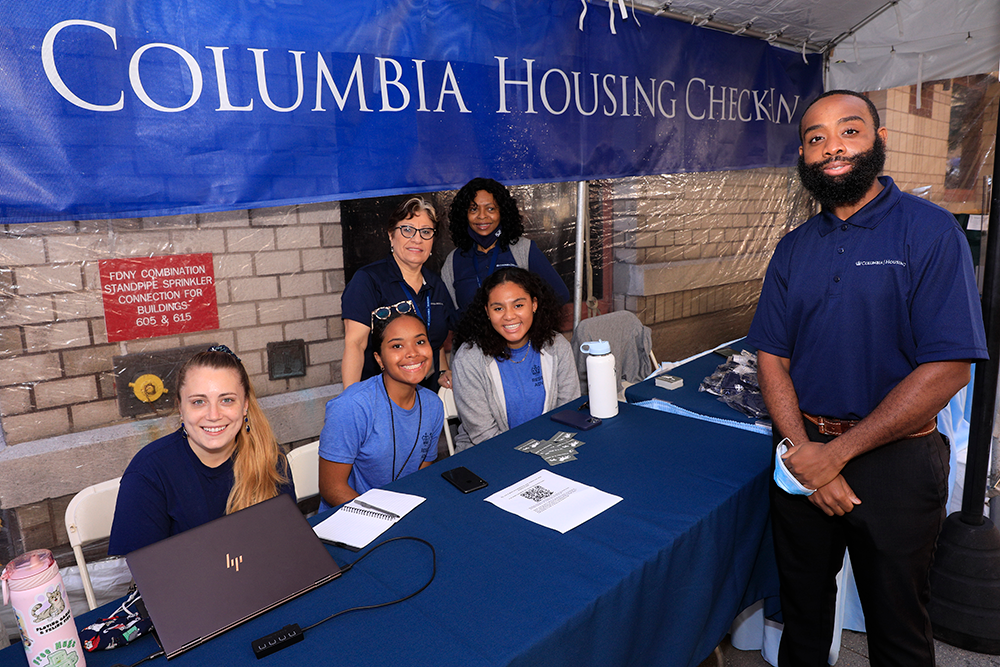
x,y
348,567
151,656
148,657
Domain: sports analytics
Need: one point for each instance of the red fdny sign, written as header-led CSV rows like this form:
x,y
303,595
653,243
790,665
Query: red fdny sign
x,y
146,297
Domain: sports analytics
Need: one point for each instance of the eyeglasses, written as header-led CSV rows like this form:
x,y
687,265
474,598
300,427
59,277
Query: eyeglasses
x,y
385,312
408,231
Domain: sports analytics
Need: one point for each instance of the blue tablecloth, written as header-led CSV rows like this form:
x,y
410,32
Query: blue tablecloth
x,y
654,580
688,396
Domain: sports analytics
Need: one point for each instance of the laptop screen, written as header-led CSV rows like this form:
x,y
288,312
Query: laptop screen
x,y
204,581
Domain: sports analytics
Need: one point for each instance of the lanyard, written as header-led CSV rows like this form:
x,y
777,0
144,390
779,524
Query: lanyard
x,y
494,256
413,298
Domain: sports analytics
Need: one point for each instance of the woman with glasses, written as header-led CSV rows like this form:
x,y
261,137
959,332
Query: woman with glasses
x,y
399,278
387,426
486,229
223,457
512,363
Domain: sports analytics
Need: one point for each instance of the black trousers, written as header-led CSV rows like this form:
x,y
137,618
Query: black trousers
x,y
891,538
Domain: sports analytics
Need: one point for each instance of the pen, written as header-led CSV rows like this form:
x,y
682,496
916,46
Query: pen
x,y
339,544
377,509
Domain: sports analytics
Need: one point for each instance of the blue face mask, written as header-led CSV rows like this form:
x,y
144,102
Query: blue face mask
x,y
485,241
784,479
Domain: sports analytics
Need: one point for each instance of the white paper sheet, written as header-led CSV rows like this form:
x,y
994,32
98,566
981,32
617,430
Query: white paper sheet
x,y
553,501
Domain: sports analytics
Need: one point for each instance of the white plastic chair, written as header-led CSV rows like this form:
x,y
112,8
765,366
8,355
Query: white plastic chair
x,y
88,518
304,464
447,397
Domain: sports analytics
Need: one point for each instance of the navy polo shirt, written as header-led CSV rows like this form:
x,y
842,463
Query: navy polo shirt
x,y
381,284
856,305
469,274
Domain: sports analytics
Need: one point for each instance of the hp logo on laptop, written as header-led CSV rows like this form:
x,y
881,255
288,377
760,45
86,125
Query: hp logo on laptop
x,y
233,562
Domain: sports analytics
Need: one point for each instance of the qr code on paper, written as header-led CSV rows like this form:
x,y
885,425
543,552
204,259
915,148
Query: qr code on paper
x,y
536,493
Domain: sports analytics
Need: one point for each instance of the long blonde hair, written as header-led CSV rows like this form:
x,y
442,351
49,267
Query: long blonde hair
x,y
259,465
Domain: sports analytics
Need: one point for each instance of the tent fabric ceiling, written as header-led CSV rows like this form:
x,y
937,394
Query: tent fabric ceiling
x,y
907,42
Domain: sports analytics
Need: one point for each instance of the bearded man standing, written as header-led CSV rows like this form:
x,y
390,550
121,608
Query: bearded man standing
x,y
866,325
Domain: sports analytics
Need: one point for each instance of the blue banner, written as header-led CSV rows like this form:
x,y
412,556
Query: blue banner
x,y
130,109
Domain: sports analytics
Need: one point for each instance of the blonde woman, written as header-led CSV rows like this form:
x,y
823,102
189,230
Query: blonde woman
x,y
223,458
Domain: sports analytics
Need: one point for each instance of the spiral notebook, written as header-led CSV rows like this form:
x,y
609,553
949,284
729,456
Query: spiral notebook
x,y
360,521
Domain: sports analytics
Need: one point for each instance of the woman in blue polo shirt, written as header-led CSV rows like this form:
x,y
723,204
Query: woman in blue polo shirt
x,y
512,363
398,278
486,229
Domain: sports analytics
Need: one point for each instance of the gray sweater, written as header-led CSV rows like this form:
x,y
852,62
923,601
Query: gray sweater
x,y
479,393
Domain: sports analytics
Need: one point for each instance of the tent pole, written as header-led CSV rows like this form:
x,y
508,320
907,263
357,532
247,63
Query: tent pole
x,y
582,207
965,577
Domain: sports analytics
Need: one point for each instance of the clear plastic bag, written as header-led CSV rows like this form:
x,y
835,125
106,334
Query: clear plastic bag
x,y
735,383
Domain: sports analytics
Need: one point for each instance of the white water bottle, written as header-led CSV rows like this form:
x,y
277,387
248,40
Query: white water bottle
x,y
602,385
33,586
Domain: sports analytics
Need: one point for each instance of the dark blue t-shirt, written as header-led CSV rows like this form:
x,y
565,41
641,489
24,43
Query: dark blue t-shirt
x,y
856,305
381,284
472,267
166,490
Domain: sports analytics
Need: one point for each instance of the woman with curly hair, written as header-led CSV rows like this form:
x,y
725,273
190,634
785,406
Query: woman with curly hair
x,y
486,229
223,458
512,363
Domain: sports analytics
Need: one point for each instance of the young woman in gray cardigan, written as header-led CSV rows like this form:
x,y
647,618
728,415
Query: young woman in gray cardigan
x,y
512,363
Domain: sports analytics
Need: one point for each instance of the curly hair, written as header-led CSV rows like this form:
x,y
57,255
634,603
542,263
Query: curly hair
x,y
511,226
259,466
476,328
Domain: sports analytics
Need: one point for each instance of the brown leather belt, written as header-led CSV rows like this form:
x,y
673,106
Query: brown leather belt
x,y
830,426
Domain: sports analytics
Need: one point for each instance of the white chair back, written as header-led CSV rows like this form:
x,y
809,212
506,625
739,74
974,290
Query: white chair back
x,y
450,412
304,464
88,518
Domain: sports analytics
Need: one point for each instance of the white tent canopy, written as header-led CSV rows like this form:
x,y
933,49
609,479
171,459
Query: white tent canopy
x,y
873,44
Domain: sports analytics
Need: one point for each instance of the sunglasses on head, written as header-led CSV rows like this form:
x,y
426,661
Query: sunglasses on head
x,y
385,312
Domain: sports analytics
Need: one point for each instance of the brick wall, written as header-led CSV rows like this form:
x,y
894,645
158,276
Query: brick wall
x,y
918,139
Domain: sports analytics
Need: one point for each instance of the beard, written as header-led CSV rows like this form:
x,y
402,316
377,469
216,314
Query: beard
x,y
845,189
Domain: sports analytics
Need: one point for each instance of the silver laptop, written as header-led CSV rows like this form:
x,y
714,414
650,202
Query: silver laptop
x,y
204,581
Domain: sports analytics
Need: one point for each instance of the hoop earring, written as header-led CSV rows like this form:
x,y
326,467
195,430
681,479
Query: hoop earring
x,y
246,420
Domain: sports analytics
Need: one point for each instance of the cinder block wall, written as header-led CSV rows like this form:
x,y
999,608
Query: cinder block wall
x,y
279,275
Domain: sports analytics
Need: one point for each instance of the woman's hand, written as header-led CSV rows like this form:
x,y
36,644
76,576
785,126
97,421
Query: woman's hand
x,y
444,379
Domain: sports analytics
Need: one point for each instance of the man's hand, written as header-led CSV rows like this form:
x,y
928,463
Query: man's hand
x,y
814,464
835,498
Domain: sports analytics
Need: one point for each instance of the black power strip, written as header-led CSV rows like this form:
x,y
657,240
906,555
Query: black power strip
x,y
274,642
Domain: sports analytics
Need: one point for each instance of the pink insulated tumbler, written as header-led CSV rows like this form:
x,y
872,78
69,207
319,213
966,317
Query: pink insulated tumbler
x,y
32,585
